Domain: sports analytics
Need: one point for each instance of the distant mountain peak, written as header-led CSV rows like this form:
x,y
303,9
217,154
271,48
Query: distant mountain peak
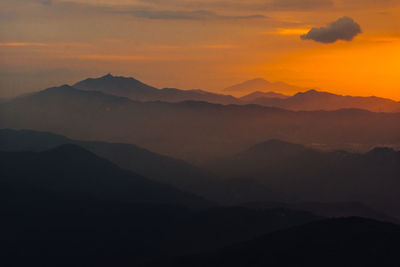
x,y
260,84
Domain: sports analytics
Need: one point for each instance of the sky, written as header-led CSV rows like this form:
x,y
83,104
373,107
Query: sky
x,y
349,47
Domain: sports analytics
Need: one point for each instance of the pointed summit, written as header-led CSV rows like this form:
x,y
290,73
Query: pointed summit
x,y
107,76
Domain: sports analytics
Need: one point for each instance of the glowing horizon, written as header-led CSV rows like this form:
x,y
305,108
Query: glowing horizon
x,y
192,44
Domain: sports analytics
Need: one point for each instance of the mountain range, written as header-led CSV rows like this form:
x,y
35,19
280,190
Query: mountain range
x,y
136,90
67,206
316,100
239,187
114,172
160,168
261,92
194,131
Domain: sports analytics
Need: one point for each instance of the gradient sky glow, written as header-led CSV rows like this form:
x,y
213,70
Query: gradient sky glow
x,y
207,44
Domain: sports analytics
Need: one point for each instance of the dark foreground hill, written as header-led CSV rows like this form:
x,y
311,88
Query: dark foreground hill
x,y
343,242
68,207
194,131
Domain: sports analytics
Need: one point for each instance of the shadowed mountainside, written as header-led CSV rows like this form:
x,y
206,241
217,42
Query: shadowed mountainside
x,y
187,177
310,175
72,170
335,242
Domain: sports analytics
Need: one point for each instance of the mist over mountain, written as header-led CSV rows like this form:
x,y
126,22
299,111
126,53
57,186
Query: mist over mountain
x,y
260,84
194,131
241,190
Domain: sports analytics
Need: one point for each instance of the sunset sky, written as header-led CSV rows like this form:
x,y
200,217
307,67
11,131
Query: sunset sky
x,y
206,44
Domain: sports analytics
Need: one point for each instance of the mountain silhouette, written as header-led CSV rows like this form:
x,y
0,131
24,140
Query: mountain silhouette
x,y
335,242
136,90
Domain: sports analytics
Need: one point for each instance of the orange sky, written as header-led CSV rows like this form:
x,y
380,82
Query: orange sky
x,y
199,44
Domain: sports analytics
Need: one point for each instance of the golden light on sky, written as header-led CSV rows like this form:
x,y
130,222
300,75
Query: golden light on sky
x,y
199,44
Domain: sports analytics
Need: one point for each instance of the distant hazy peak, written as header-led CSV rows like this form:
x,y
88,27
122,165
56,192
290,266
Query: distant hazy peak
x,y
260,84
